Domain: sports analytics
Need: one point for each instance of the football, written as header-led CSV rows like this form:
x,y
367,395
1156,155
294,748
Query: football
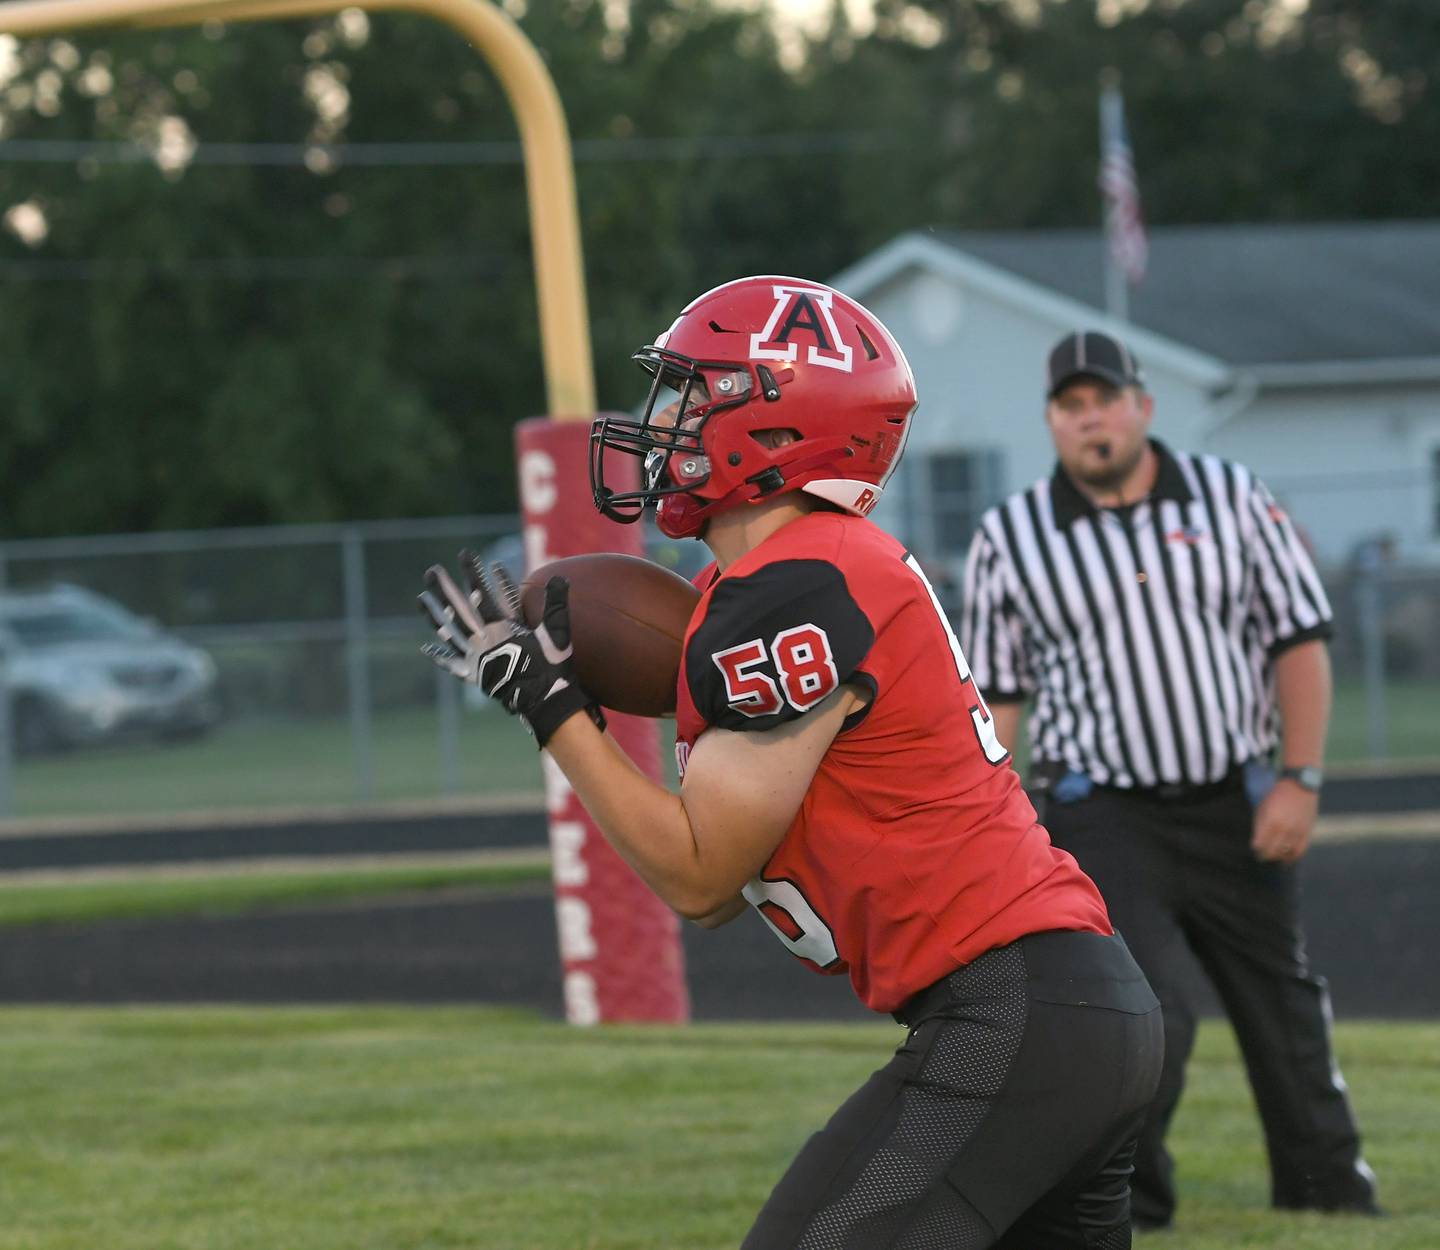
x,y
627,620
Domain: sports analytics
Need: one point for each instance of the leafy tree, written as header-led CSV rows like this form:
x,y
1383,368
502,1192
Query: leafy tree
x,y
192,344
1240,110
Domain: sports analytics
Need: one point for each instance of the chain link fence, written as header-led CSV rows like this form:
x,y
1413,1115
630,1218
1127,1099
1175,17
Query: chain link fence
x,y
245,667
280,667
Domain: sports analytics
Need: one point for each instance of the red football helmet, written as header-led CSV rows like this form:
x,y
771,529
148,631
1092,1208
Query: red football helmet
x,y
747,360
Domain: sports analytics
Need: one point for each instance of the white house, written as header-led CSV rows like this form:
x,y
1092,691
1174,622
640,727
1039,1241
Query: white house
x,y
1310,353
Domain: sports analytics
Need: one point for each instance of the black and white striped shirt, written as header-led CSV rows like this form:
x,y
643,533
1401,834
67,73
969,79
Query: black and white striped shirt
x,y
1145,634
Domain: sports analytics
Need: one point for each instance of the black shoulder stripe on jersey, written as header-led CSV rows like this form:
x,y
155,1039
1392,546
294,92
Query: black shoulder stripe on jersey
x,y
774,644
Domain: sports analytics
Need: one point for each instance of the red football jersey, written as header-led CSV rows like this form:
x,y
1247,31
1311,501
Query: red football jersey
x,y
915,849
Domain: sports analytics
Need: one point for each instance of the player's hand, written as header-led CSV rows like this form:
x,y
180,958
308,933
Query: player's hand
x,y
1284,822
483,640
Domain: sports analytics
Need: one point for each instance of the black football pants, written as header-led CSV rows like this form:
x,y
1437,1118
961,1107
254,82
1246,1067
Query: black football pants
x,y
1178,873
1006,1119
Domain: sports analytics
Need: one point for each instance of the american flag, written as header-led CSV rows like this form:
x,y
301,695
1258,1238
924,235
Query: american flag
x,y
1124,224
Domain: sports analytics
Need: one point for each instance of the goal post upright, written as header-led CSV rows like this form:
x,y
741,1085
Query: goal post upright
x,y
620,947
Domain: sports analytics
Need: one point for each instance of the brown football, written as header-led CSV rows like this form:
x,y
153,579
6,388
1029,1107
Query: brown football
x,y
627,618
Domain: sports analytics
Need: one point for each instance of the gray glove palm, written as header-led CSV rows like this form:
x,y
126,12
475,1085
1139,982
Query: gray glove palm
x,y
483,640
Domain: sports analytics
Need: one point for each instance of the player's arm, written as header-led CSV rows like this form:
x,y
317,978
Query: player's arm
x,y
745,777
723,915
696,849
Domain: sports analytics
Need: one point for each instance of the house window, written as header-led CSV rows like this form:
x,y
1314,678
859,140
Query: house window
x,y
960,485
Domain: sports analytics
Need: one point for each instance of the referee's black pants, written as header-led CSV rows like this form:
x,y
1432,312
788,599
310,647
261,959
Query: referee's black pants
x,y
1178,872
1006,1120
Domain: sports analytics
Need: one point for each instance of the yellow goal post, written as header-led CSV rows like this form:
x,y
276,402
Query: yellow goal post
x,y
544,137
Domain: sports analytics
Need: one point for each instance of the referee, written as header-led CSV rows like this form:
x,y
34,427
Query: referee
x,y
1170,629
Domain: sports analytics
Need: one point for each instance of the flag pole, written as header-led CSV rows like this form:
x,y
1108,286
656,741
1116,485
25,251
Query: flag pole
x,y
1117,289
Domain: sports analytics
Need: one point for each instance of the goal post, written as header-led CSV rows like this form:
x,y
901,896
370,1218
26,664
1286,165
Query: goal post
x,y
544,138
620,947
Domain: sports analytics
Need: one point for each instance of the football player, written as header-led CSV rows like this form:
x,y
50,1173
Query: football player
x,y
842,776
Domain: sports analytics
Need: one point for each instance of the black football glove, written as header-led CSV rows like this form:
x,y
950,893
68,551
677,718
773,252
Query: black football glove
x,y
483,639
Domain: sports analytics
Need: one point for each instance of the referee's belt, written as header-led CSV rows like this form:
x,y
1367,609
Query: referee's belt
x,y
1063,785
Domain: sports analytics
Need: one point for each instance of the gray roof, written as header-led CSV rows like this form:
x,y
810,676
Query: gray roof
x,y
1253,295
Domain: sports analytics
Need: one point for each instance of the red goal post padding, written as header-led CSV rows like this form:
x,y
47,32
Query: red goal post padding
x,y
620,948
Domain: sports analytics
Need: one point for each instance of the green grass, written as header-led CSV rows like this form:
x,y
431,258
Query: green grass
x,y
1413,723
278,763
403,1129
311,762
188,894
1413,729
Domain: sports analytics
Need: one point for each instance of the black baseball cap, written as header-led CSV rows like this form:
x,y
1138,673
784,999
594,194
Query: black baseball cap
x,y
1090,354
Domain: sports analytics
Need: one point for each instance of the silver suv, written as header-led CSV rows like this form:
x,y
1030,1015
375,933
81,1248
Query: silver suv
x,y
82,669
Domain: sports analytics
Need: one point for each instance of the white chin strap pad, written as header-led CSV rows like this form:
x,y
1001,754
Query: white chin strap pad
x,y
857,498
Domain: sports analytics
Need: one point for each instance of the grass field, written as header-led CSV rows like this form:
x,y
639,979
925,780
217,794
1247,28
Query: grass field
x,y
270,763
262,763
138,894
403,1129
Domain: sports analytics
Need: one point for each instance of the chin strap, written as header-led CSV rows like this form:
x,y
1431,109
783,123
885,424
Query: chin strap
x,y
771,481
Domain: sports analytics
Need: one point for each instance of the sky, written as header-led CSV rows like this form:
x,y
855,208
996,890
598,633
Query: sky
x,y
808,14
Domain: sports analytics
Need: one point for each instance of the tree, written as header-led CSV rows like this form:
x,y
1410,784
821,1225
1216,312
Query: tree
x,y
229,345
194,344
1240,110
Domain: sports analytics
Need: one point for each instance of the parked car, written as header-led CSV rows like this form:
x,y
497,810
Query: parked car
x,y
83,669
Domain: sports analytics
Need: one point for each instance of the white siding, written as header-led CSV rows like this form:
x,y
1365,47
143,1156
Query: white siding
x,y
980,371
1347,463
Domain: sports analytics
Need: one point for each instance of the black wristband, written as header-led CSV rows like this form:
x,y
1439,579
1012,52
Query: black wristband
x,y
559,708
1307,777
